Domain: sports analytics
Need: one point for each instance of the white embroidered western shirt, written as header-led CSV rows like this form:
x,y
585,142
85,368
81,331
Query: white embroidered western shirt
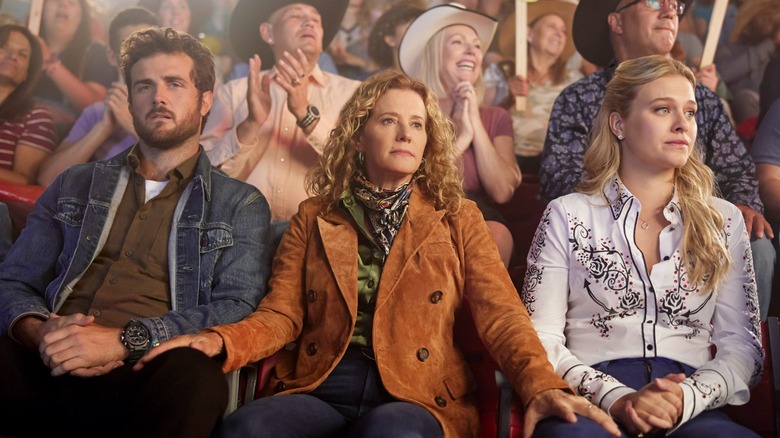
x,y
591,299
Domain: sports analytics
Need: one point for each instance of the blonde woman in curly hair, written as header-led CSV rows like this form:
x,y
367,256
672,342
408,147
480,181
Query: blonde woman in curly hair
x,y
366,283
632,281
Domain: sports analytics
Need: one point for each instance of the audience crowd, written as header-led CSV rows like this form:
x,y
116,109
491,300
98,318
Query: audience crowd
x,y
283,70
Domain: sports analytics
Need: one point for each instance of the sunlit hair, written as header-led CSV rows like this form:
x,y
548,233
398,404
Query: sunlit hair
x,y
155,40
704,253
438,176
429,71
20,100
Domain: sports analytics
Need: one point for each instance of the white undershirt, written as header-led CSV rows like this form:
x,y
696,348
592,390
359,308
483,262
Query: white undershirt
x,y
153,188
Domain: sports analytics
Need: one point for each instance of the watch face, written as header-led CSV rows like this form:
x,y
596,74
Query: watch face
x,y
136,335
314,111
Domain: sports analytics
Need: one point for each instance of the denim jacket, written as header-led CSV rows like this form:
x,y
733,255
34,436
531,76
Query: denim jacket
x,y
218,247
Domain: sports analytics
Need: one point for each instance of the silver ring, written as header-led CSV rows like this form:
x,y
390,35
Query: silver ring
x,y
302,75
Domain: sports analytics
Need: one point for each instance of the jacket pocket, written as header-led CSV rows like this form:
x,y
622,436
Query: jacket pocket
x,y
460,383
215,236
70,211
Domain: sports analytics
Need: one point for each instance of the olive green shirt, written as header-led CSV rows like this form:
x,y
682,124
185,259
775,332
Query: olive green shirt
x,y
370,261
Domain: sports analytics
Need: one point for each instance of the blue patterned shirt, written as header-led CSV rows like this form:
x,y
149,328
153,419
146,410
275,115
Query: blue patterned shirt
x,y
575,112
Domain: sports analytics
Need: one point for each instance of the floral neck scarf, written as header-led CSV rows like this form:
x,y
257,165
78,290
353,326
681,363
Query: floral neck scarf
x,y
385,209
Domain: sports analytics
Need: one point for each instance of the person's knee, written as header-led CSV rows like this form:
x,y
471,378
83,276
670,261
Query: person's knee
x,y
396,420
280,415
557,427
191,375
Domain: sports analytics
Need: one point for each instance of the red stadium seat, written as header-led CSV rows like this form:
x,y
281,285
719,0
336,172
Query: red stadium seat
x,y
20,200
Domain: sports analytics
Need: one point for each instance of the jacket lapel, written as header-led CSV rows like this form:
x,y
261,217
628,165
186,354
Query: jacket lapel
x,y
339,239
420,221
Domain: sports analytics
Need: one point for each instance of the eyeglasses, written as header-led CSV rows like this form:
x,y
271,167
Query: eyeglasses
x,y
677,6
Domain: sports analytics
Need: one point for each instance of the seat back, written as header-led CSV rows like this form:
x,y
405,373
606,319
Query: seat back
x,y
20,200
523,213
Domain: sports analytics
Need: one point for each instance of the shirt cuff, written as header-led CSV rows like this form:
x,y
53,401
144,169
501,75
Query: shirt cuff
x,y
612,396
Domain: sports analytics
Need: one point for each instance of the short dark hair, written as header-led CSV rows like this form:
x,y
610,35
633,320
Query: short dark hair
x,y
401,13
153,41
133,16
20,100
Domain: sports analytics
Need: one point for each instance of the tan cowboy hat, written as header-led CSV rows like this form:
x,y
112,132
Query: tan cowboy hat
x,y
591,30
430,22
248,14
562,8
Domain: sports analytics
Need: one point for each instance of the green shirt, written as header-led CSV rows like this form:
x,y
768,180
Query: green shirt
x,y
370,261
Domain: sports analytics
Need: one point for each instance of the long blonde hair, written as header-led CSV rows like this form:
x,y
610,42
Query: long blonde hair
x,y
704,252
437,176
429,70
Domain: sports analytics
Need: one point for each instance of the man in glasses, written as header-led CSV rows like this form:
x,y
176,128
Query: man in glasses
x,y
608,32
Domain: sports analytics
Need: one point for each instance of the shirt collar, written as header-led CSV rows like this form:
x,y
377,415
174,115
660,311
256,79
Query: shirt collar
x,y
618,196
183,172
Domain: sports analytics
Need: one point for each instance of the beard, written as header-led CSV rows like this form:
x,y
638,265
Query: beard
x,y
164,140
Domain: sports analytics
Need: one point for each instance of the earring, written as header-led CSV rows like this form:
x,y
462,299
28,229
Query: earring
x,y
360,157
422,164
620,137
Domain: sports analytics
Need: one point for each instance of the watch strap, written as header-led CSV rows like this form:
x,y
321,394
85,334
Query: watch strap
x,y
136,350
311,115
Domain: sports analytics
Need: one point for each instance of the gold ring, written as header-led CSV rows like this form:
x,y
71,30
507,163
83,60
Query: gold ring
x,y
590,405
295,82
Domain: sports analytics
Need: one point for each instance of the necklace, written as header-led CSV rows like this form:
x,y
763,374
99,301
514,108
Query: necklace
x,y
644,224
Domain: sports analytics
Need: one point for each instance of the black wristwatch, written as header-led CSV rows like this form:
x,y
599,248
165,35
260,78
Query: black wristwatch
x,y
135,338
312,114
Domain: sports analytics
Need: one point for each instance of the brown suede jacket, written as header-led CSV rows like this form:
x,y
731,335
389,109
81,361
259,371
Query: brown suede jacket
x,y
434,263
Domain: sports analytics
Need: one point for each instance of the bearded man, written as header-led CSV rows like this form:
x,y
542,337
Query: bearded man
x,y
123,254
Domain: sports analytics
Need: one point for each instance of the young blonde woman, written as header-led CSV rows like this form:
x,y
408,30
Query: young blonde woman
x,y
633,280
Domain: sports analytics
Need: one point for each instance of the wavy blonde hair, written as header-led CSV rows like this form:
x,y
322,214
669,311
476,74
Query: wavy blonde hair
x,y
704,252
438,176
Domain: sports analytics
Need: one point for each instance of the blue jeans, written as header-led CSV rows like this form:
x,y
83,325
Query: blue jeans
x,y
637,373
351,402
